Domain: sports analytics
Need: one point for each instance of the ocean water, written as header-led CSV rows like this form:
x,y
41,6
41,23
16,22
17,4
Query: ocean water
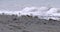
x,y
40,12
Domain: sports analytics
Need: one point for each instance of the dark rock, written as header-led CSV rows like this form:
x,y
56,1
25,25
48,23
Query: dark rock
x,y
44,23
14,19
52,20
25,31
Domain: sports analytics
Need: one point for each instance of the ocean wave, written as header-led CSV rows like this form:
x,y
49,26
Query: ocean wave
x,y
37,11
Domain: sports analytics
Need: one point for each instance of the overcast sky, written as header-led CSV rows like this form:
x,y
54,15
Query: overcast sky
x,y
17,4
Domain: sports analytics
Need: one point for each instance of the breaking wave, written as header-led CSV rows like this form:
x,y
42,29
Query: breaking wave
x,y
41,12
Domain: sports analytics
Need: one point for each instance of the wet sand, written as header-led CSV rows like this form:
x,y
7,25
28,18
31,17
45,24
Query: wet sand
x,y
27,24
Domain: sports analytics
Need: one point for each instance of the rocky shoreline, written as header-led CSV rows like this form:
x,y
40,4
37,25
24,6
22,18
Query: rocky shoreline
x,y
13,23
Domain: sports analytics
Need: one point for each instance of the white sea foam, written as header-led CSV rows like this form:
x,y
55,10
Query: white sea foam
x,y
41,12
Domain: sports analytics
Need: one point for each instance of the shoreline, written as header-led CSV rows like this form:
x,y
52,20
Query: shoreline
x,y
27,24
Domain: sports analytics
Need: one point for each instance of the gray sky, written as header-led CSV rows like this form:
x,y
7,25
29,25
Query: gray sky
x,y
17,4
